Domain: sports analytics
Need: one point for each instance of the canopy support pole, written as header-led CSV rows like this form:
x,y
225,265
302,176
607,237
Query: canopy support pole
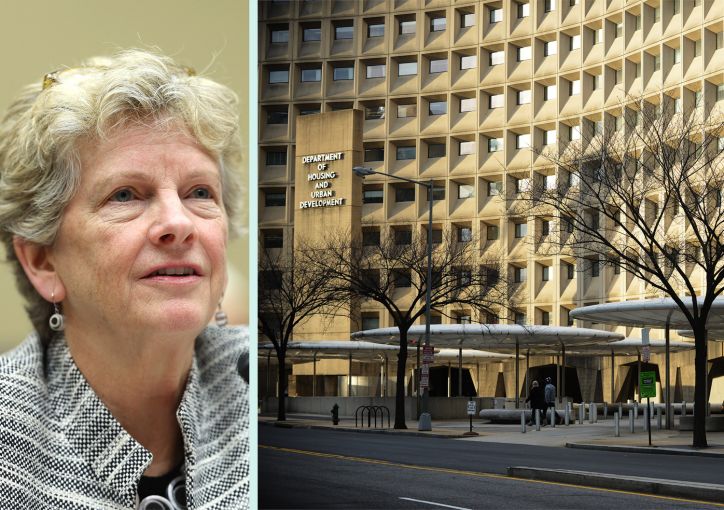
x,y
460,371
517,374
667,391
477,374
314,374
268,371
387,376
613,375
563,376
349,378
527,373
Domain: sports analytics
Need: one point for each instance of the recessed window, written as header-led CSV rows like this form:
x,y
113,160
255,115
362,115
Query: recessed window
x,y
495,188
496,15
407,27
523,96
436,239
523,53
522,141
438,107
374,112
496,101
549,5
438,65
595,268
467,19
273,238
549,92
438,24
598,36
637,21
697,48
311,75
277,117
406,110
308,110
545,227
406,68
595,82
401,278
657,62
372,196
523,10
521,230
520,274
550,180
374,154
465,190
438,193
522,185
520,318
676,55
278,76
574,87
574,132
550,48
275,198
549,137
545,273
575,42
468,62
570,271
435,150
406,152
343,73
495,144
370,322
677,6
545,317
462,319
375,29
370,237
465,234
492,232
466,148
720,92
276,158
468,104
343,32
619,29
496,58
312,34
279,35
404,194
376,71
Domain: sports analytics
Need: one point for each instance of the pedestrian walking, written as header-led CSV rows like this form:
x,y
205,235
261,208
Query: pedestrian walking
x,y
549,394
537,402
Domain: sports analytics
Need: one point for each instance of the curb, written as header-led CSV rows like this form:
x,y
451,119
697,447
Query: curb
x,y
661,450
287,425
673,488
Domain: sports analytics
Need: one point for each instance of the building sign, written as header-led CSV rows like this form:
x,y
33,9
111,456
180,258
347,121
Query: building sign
x,y
321,176
647,384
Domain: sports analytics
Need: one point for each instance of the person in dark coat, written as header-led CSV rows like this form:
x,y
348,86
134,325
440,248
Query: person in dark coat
x,y
537,401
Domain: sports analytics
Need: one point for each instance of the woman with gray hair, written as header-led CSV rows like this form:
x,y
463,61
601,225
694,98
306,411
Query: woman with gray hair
x,y
117,194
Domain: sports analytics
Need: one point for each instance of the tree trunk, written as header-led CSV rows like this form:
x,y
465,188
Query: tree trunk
x,y
282,397
700,389
400,388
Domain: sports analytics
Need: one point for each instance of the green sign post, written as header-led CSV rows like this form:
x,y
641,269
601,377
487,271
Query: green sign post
x,y
647,388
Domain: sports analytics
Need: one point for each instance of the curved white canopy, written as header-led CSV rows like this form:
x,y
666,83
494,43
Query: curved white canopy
x,y
471,355
712,334
631,347
331,349
498,337
646,313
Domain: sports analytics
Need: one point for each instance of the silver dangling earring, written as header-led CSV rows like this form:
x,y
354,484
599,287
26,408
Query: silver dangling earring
x,y
220,317
57,321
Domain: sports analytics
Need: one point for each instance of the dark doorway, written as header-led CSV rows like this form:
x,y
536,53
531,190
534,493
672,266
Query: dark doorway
x,y
439,382
539,373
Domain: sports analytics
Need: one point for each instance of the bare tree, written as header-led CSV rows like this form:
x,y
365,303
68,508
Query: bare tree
x,y
392,271
290,290
643,192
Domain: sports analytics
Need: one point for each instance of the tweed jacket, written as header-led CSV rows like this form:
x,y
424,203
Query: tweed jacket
x,y
60,447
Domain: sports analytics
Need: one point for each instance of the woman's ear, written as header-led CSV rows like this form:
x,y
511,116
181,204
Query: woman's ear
x,y
39,269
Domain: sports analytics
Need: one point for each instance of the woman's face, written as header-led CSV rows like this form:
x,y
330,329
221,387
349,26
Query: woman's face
x,y
141,246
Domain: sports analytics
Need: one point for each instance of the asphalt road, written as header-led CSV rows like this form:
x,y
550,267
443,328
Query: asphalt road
x,y
302,468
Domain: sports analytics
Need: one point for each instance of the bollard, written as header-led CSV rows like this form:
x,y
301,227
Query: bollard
x,y
616,429
554,418
646,418
636,410
537,419
605,411
567,415
522,422
658,418
631,420
591,412
582,413
620,410
683,408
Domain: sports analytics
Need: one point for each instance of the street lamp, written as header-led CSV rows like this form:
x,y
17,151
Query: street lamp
x,y
425,420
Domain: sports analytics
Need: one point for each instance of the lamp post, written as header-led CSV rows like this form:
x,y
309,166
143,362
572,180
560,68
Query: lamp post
x,y
425,420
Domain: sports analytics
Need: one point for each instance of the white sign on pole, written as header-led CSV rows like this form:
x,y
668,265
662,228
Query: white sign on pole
x,y
428,354
471,407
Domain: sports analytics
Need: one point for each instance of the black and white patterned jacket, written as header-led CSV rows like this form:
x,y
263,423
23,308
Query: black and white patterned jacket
x,y
60,447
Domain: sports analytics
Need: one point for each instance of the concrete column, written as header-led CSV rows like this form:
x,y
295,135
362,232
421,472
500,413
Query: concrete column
x,y
563,376
460,372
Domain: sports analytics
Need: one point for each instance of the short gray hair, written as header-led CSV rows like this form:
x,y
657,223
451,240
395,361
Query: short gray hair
x,y
41,131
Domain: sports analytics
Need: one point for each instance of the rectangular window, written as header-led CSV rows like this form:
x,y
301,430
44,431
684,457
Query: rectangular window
x,y
465,190
374,154
496,15
376,30
466,148
437,107
343,73
521,230
406,152
401,278
575,42
545,273
595,268
522,185
436,237
372,196
545,227
370,322
575,132
494,188
520,317
435,150
549,5
343,32
523,53
278,76
598,36
637,69
549,137
495,144
549,92
370,237
720,92
277,117
374,112
438,65
677,55
311,75
407,27
273,238
467,19
465,234
550,48
276,158
280,36
520,274
570,271
657,14
574,87
545,317
596,82
522,141
619,29
496,101
677,7
376,71
697,48
496,58
637,20
404,194
273,198
657,62
438,24
550,180
406,68
312,34
468,62
406,110
523,10
468,104
308,110
492,232
462,319
523,96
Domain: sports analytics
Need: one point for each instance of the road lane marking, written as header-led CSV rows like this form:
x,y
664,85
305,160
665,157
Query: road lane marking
x,y
476,474
436,504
